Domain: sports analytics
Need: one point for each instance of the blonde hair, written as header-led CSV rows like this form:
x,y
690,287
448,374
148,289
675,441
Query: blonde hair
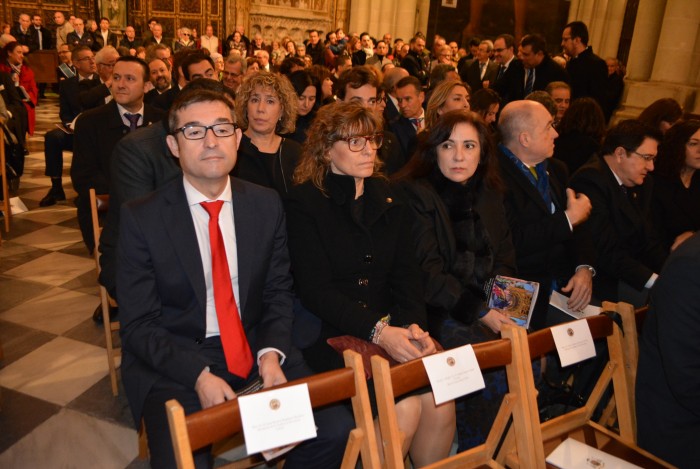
x,y
284,90
437,100
334,122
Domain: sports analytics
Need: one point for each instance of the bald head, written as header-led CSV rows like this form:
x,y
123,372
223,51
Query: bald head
x,y
392,77
526,130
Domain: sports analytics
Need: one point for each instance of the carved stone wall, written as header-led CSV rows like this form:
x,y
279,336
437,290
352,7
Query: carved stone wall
x,y
275,19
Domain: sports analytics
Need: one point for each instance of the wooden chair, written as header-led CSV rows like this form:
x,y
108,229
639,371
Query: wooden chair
x,y
100,204
192,432
6,209
577,423
393,382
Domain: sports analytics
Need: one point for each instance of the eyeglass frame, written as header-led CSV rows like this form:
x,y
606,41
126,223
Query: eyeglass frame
x,y
367,138
206,128
646,158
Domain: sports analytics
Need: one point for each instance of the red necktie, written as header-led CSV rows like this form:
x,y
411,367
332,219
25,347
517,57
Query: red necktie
x,y
239,359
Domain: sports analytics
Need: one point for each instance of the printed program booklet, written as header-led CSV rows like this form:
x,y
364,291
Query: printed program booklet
x,y
514,297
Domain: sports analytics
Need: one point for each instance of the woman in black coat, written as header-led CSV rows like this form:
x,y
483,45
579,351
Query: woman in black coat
x,y
354,264
676,196
462,240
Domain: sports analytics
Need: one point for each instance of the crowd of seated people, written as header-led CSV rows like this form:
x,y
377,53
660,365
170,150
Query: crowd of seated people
x,y
392,183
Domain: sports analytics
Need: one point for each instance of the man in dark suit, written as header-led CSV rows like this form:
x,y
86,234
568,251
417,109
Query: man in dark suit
x,y
537,70
129,40
105,37
482,72
413,62
161,78
668,408
80,37
410,97
504,56
97,131
180,338
544,216
13,118
59,140
588,72
96,92
630,254
391,78
25,33
157,37
43,36
190,65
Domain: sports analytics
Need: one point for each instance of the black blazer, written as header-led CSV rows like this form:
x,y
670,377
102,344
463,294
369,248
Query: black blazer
x,y
47,42
141,163
668,409
92,93
112,39
352,273
511,87
627,247
28,39
676,209
472,75
404,131
162,291
547,249
589,77
166,99
87,40
97,132
69,91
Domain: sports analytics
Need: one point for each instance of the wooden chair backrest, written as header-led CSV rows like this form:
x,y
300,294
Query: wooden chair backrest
x,y
203,428
393,382
6,208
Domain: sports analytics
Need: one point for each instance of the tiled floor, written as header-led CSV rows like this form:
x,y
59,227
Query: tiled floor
x,y
56,404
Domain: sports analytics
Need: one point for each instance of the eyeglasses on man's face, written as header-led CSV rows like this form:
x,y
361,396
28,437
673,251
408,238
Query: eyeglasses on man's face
x,y
647,158
198,132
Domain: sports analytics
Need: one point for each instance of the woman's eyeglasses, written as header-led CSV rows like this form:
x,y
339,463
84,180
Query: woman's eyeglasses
x,y
358,142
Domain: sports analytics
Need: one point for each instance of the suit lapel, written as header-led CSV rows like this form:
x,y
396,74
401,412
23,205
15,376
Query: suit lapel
x,y
244,221
176,215
523,182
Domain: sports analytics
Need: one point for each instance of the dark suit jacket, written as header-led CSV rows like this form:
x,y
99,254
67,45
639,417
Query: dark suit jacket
x,y
141,163
512,86
87,40
668,408
406,135
28,39
627,247
47,42
112,39
150,41
165,100
390,111
92,93
97,132
589,77
415,66
162,299
472,75
546,248
129,44
676,209
69,91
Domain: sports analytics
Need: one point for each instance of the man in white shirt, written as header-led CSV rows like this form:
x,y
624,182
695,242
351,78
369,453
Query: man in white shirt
x,y
208,40
198,239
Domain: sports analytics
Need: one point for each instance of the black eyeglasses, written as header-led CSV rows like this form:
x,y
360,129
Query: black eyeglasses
x,y
198,132
358,142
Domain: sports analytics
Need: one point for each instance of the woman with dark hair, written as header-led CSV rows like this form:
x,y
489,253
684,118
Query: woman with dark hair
x,y
12,63
462,240
486,102
308,89
266,108
581,133
354,264
323,75
662,114
676,197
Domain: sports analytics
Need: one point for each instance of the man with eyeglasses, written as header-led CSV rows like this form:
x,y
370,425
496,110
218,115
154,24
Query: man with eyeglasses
x,y
234,69
97,91
630,254
206,307
482,72
588,72
98,130
504,56
80,37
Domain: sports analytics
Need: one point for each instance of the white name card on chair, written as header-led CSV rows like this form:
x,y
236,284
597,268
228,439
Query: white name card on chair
x,y
453,373
574,342
276,418
572,454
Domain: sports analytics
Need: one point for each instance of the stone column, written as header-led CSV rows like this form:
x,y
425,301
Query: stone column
x,y
386,19
359,16
647,28
405,22
422,17
678,37
611,29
